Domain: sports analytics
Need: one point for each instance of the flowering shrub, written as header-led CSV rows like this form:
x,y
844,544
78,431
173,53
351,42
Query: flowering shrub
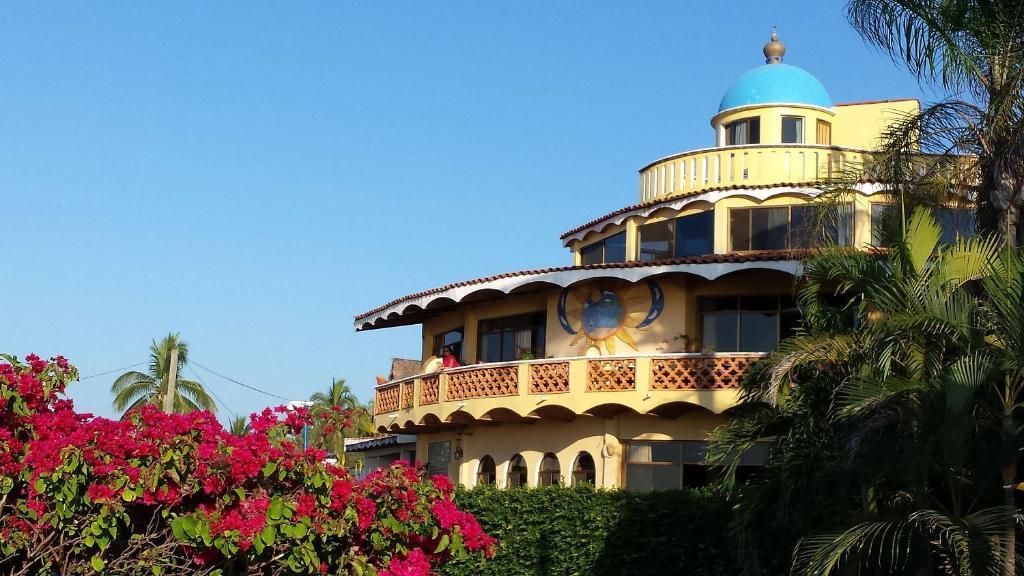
x,y
161,493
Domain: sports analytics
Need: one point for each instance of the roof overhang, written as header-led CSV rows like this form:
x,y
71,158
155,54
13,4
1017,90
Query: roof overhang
x,y
760,193
414,308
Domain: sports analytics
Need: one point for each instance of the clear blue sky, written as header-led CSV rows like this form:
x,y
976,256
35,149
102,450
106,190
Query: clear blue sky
x,y
254,174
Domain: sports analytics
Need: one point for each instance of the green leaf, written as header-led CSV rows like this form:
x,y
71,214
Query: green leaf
x,y
442,545
178,528
97,563
269,468
128,495
276,508
299,530
268,535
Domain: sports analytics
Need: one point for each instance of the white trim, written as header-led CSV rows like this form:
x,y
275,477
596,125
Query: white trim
x,y
829,111
565,278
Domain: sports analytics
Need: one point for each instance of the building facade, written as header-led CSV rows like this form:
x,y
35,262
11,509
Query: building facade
x,y
615,368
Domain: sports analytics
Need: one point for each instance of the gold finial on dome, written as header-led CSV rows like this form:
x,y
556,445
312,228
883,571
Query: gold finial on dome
x,y
774,50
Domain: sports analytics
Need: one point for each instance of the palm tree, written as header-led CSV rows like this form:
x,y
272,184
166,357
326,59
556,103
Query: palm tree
x,y
339,396
971,49
133,389
886,446
239,426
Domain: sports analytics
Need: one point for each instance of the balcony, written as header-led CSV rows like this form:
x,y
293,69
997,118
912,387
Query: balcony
x,y
752,165
562,388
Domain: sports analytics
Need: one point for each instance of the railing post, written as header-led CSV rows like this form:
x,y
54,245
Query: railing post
x,y
523,379
643,374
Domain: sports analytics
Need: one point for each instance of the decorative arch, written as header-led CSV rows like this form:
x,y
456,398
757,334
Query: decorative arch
x,y
584,469
517,472
550,472
486,471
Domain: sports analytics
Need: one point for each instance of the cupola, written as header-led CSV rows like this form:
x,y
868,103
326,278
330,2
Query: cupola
x,y
775,83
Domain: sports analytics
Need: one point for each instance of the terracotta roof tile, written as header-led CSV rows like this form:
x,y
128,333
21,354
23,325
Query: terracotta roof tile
x,y
732,257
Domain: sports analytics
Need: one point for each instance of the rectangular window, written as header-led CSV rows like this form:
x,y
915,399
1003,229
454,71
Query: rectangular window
x,y
880,223
695,234
611,249
439,455
452,339
666,465
745,131
785,227
746,323
824,133
813,225
512,338
792,130
656,241
956,223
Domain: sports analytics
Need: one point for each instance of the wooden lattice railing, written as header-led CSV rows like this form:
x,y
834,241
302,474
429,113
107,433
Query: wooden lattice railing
x,y
387,399
611,375
699,373
549,378
483,383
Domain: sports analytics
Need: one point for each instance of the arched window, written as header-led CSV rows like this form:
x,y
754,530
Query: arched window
x,y
584,471
516,471
486,472
550,471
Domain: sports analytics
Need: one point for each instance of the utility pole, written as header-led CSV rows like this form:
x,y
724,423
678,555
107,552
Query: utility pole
x,y
172,382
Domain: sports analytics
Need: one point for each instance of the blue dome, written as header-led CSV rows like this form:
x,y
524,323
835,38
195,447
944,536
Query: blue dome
x,y
775,84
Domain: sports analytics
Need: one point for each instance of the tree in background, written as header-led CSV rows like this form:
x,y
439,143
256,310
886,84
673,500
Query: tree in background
x,y
134,389
239,425
339,398
971,49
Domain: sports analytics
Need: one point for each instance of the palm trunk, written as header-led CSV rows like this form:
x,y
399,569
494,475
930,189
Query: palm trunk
x,y
1010,497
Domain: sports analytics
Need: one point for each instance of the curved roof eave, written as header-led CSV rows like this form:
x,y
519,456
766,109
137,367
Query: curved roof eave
x,y
708,267
680,201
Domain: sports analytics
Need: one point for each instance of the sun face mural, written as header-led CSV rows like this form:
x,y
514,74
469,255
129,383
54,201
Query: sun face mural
x,y
601,313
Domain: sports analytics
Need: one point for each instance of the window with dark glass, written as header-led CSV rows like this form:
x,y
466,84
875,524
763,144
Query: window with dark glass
x,y
486,471
550,471
692,235
746,323
745,131
512,338
752,461
881,225
813,225
656,241
516,472
584,471
611,249
785,227
824,132
695,234
666,465
956,223
439,455
450,339
792,130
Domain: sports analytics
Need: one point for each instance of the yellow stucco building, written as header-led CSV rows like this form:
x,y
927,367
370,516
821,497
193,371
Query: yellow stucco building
x,y
615,368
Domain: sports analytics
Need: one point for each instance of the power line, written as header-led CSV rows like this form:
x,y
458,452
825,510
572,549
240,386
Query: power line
x,y
112,371
242,384
207,387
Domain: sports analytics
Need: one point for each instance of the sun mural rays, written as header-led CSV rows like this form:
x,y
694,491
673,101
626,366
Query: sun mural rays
x,y
602,314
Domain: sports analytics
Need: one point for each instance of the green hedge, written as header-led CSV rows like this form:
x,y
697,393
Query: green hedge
x,y
580,531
